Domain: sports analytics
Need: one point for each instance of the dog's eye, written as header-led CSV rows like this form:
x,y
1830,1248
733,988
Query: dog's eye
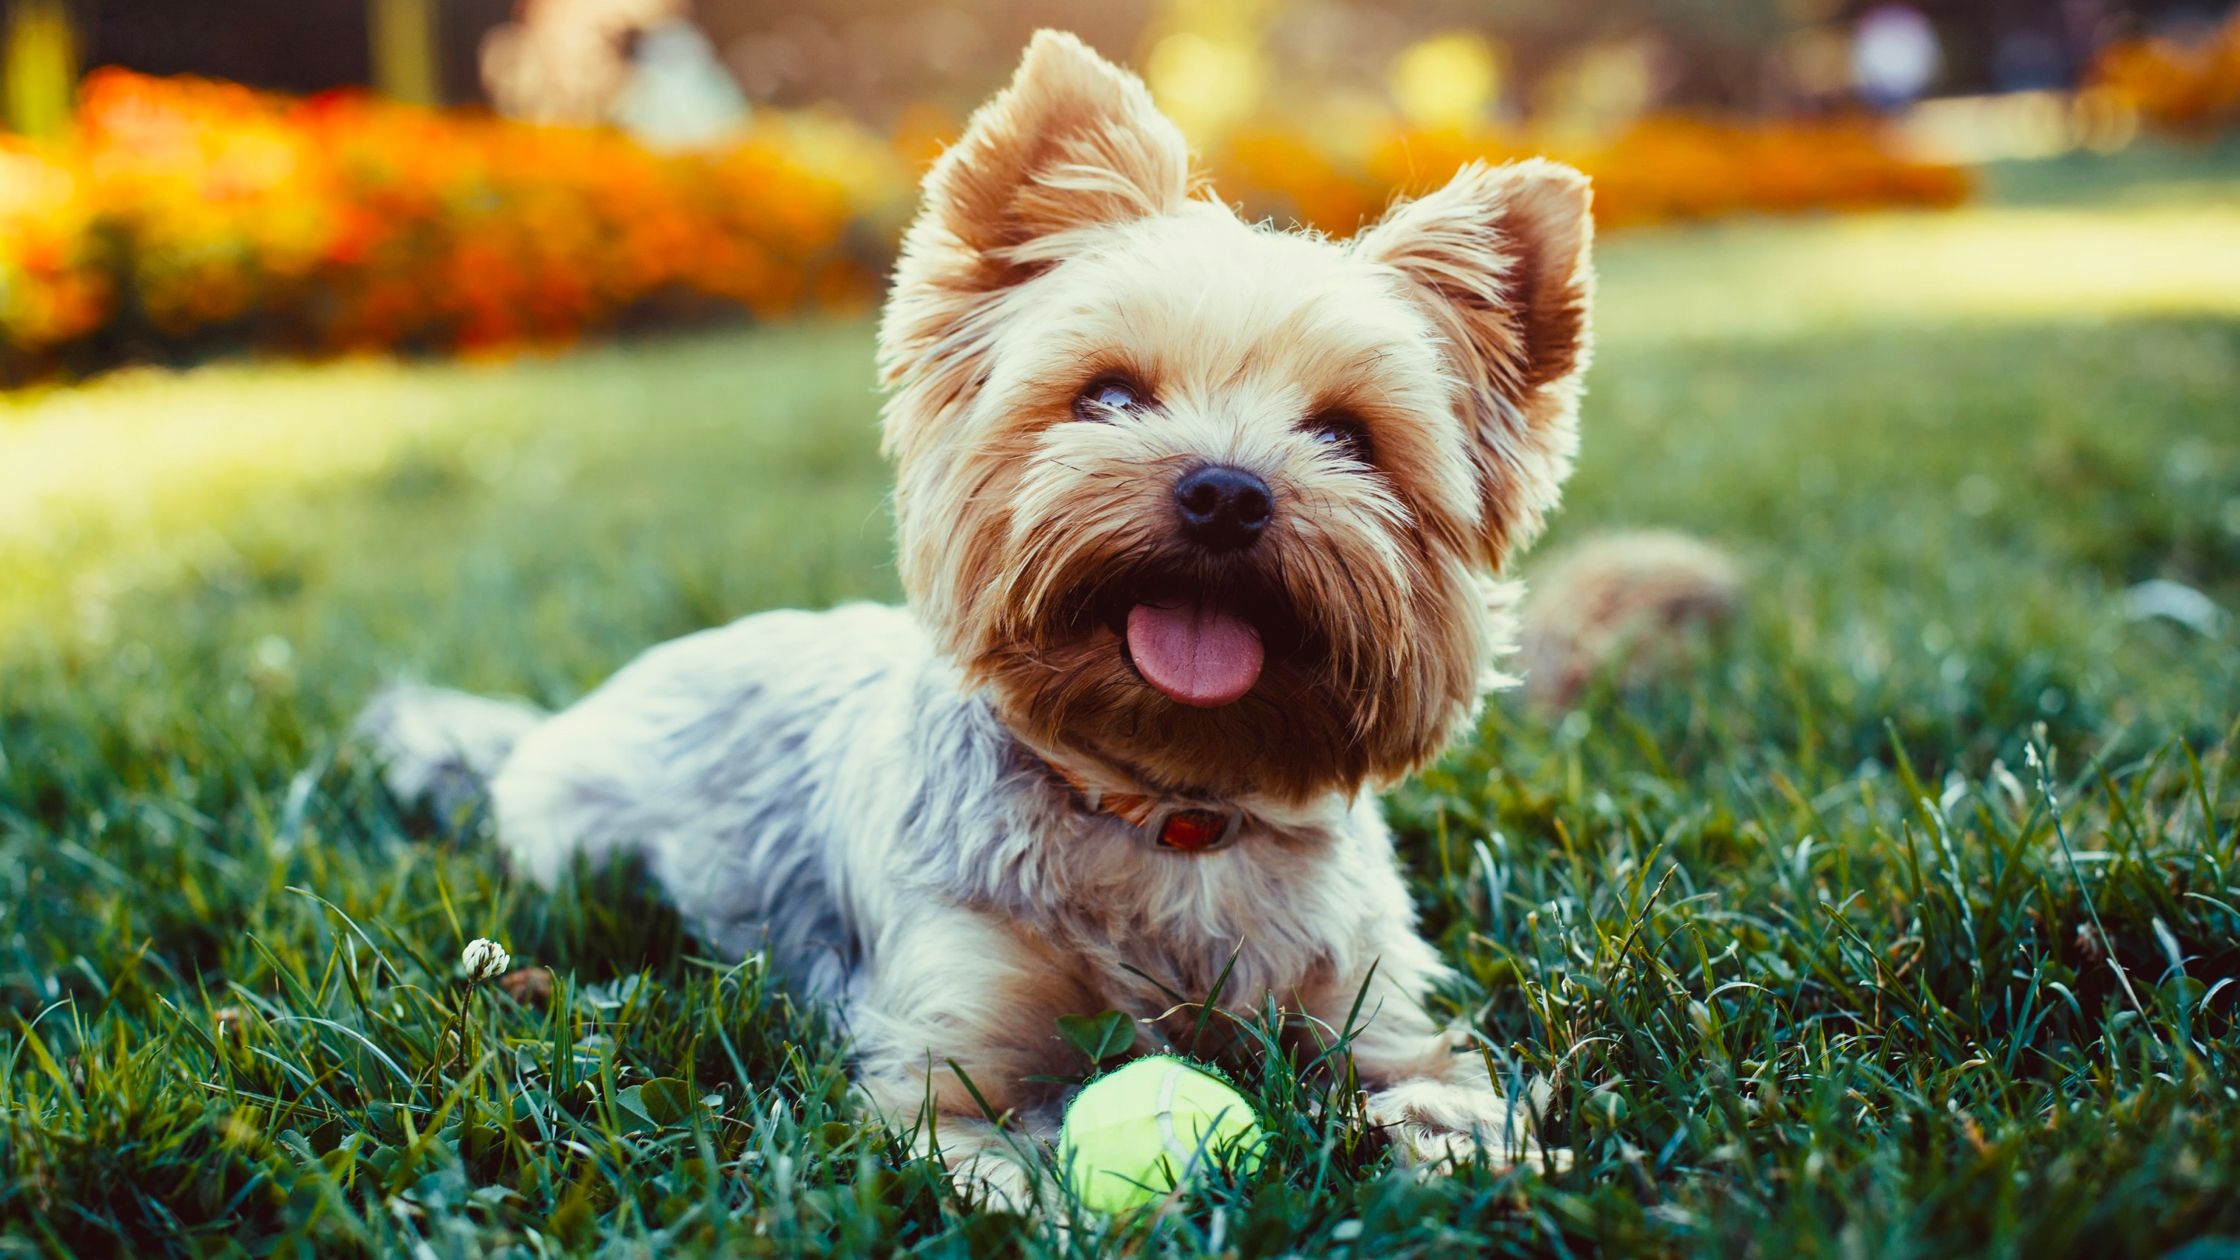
x,y
1343,433
1105,395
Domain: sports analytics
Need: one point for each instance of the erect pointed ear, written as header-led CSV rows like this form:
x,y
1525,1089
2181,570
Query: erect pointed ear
x,y
1500,259
1073,143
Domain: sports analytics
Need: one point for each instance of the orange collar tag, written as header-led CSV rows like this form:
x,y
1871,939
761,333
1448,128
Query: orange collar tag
x,y
1195,830
1177,829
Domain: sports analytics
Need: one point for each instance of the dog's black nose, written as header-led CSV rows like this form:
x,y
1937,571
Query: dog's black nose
x,y
1223,508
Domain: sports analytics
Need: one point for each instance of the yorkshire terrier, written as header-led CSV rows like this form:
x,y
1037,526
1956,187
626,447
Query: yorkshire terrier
x,y
1202,526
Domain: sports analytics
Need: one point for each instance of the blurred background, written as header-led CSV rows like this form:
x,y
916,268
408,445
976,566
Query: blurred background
x,y
313,176
298,298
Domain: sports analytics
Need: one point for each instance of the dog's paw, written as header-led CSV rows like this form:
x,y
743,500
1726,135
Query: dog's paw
x,y
1437,1125
996,1183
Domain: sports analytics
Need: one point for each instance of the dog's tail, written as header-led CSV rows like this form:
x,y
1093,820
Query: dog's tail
x,y
441,748
1627,604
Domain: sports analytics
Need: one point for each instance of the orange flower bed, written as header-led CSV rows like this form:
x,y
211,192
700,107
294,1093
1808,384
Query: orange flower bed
x,y
1664,169
189,216
191,213
52,286
2186,89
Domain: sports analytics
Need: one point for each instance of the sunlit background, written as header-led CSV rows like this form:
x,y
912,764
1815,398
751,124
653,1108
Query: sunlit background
x,y
314,176
201,182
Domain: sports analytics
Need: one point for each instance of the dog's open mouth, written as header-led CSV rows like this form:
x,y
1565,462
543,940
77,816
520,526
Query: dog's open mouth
x,y
1194,650
1198,643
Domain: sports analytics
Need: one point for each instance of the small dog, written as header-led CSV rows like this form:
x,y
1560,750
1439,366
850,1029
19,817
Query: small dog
x,y
1202,527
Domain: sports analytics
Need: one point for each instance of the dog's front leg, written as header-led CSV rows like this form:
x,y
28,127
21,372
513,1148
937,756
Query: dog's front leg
x,y
1427,1086
953,1015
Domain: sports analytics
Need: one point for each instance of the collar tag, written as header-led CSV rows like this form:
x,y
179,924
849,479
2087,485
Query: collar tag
x,y
1174,827
1189,829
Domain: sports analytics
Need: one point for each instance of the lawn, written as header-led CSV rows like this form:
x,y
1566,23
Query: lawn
x,y
1906,922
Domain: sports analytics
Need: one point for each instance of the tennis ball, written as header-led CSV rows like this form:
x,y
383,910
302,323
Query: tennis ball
x,y
1132,1134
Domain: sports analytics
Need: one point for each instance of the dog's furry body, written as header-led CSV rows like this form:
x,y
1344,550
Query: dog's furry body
x,y
793,777
821,789
902,805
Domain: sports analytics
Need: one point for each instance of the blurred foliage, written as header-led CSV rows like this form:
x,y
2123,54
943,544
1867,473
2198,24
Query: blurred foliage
x,y
186,217
401,36
2185,87
1662,169
38,62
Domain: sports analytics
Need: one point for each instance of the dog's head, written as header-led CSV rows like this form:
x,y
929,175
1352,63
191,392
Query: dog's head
x,y
1218,505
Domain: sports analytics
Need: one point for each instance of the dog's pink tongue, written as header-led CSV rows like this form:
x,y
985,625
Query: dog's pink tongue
x,y
1196,653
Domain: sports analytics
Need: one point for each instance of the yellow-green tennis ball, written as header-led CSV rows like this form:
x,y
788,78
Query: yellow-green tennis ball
x,y
1133,1134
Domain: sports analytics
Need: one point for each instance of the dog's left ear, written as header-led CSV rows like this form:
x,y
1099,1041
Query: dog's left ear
x,y
1073,144
1500,260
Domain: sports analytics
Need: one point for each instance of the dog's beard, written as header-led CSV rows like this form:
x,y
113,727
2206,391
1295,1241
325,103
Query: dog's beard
x,y
1370,641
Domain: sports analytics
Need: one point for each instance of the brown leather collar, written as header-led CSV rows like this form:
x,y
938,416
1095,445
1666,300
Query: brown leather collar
x,y
1179,828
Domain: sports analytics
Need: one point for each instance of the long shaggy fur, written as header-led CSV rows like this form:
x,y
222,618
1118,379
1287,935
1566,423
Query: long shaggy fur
x,y
1626,605
868,794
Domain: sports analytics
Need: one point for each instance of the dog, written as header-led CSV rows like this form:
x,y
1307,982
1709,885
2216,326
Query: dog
x,y
1203,527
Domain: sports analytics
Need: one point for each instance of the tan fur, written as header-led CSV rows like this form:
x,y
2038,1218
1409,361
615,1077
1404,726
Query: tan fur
x,y
1624,604
1502,255
1059,240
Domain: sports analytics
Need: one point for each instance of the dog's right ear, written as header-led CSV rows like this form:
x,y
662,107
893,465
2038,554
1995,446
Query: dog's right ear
x,y
1074,143
1501,259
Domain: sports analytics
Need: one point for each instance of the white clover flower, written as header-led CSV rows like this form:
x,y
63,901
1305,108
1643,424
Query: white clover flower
x,y
484,960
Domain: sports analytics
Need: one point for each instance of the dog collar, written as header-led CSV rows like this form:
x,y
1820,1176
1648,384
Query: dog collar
x,y
1175,826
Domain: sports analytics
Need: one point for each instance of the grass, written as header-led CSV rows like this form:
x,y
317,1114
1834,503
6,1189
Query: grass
x,y
1815,957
